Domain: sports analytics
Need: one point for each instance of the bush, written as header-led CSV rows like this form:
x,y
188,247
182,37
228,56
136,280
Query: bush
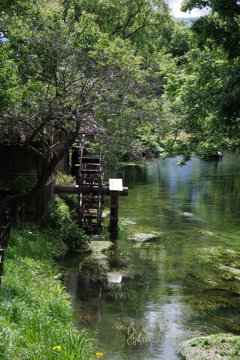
x,y
73,236
58,218
70,200
65,179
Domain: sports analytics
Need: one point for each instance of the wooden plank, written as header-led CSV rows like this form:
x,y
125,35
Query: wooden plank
x,y
30,173
74,189
115,185
66,189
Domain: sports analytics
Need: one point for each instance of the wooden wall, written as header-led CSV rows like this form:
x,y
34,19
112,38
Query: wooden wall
x,y
19,167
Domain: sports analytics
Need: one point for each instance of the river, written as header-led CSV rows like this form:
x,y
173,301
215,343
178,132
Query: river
x,y
173,271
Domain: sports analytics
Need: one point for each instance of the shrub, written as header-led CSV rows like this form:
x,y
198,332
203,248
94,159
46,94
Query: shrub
x,y
65,179
57,219
70,200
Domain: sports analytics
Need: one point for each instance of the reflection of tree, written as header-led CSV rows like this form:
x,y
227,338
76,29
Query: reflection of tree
x,y
91,287
135,174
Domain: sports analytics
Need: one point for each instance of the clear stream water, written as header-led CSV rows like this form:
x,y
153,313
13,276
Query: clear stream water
x,y
181,283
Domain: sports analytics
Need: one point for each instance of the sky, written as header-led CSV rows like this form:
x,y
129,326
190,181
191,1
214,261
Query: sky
x,y
176,12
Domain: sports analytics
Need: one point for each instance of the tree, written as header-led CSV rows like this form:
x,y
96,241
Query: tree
x,y
203,94
60,69
124,18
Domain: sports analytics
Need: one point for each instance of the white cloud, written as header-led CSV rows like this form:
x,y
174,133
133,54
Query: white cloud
x,y
177,13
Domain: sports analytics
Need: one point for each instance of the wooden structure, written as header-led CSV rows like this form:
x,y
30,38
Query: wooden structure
x,y
73,190
16,164
105,190
89,170
90,203
18,171
6,220
116,189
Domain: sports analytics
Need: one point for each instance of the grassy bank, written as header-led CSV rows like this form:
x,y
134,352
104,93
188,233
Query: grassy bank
x,y
36,317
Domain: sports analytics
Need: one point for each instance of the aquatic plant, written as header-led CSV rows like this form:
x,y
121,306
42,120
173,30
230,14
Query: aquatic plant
x,y
84,317
133,334
215,299
202,276
118,292
216,282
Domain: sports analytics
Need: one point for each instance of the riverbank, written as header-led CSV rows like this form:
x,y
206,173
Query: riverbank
x,y
36,316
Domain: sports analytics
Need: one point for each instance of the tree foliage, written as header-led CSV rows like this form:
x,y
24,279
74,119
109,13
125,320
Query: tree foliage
x,y
124,18
60,67
202,96
221,26
146,79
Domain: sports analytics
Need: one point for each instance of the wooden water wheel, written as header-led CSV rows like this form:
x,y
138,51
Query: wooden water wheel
x,y
91,181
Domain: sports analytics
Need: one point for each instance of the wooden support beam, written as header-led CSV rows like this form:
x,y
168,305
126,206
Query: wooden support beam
x,y
73,190
114,213
1,263
116,188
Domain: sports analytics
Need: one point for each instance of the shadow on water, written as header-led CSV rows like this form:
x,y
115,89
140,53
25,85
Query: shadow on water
x,y
173,270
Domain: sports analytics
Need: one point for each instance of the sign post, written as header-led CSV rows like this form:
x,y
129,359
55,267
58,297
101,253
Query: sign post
x,y
115,187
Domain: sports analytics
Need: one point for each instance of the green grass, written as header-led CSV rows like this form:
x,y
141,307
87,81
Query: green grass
x,y
36,316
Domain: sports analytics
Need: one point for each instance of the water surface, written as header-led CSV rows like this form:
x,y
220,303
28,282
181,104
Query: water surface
x,y
180,283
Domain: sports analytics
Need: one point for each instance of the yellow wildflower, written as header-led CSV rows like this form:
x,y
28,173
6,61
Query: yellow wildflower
x,y
99,354
58,348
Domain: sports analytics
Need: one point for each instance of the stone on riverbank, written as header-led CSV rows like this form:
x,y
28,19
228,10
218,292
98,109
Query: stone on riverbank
x,y
214,347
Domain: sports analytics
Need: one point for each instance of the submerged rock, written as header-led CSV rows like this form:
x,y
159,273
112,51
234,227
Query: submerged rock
x,y
128,221
105,213
210,233
142,237
116,275
98,248
214,347
234,271
218,254
97,245
189,215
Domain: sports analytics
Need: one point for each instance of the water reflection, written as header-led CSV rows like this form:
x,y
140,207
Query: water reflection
x,y
181,281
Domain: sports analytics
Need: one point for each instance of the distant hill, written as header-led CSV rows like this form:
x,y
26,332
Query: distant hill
x,y
188,19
